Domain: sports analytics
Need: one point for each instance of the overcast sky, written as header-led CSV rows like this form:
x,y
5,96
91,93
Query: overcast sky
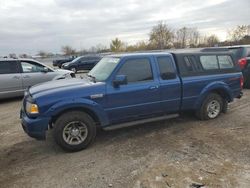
x,y
28,26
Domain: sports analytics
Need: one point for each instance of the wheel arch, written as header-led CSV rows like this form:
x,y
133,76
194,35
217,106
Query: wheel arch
x,y
88,111
219,88
92,109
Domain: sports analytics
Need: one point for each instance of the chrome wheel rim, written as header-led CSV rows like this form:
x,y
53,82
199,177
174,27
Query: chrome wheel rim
x,y
75,133
213,109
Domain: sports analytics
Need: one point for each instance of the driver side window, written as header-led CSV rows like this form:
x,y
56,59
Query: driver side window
x,y
29,67
136,70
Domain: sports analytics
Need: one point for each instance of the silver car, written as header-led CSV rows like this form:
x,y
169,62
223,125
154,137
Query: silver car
x,y
18,74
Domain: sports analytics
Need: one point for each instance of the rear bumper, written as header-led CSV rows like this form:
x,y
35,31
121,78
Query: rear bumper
x,y
35,128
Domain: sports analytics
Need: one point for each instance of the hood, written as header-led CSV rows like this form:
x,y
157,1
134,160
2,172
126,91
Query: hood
x,y
59,85
66,88
63,71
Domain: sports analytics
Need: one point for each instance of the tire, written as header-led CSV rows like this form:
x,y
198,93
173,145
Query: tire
x,y
211,107
73,69
225,106
74,131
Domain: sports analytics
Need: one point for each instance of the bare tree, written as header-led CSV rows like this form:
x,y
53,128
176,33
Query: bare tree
x,y
13,55
68,50
239,32
181,37
194,37
186,37
161,36
42,53
117,45
24,56
212,40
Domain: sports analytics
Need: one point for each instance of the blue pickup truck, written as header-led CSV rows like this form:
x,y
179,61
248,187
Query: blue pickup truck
x,y
127,89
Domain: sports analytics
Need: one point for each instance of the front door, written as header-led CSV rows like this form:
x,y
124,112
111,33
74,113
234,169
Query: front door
x,y
139,98
32,74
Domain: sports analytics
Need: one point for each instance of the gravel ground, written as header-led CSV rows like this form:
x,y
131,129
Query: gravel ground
x,y
181,152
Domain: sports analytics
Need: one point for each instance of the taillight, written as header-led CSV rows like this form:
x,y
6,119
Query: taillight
x,y
241,82
242,63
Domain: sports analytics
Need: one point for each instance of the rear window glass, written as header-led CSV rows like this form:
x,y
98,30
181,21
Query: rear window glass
x,y
8,67
167,70
225,62
191,65
209,62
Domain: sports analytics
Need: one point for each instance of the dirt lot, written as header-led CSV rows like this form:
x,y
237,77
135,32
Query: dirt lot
x,y
173,153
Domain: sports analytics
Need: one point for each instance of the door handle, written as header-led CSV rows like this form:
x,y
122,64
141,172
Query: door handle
x,y
26,76
153,87
16,77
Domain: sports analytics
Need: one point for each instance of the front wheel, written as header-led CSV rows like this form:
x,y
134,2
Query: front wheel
x,y
74,131
211,107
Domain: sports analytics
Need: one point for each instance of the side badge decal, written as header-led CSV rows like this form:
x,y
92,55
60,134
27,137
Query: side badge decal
x,y
95,96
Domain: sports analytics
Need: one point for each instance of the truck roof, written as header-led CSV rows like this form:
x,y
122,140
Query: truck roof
x,y
169,52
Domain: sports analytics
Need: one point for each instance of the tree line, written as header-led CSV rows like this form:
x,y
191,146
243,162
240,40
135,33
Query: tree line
x,y
161,37
164,37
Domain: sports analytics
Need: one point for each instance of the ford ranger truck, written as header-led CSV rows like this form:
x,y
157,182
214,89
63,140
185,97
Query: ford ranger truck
x,y
128,89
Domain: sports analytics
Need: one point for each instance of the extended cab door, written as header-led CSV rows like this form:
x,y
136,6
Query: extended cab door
x,y
170,84
34,73
10,79
140,97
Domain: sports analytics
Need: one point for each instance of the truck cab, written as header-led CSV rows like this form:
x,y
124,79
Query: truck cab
x,y
127,89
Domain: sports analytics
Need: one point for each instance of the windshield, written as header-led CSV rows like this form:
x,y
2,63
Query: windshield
x,y
104,68
76,59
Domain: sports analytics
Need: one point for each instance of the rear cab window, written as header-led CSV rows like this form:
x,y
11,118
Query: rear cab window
x,y
166,68
209,62
205,64
137,70
225,62
216,62
9,67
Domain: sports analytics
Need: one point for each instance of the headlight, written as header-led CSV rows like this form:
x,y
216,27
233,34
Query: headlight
x,y
31,108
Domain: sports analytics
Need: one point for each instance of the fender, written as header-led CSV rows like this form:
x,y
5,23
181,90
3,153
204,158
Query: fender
x,y
211,87
79,103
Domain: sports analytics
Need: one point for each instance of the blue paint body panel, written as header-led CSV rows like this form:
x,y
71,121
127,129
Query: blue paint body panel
x,y
114,105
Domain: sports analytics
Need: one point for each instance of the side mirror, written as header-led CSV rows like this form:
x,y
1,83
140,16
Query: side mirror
x,y
45,70
120,80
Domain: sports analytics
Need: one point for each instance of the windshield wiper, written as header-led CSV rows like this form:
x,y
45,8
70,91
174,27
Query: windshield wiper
x,y
93,78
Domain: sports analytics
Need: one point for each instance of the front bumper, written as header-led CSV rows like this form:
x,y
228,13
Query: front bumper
x,y
35,127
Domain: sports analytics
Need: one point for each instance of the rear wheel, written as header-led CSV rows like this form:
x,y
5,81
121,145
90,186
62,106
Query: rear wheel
x,y
211,107
73,69
74,131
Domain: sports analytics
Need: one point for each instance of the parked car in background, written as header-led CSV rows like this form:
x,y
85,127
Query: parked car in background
x,y
16,75
82,63
242,57
128,89
60,62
